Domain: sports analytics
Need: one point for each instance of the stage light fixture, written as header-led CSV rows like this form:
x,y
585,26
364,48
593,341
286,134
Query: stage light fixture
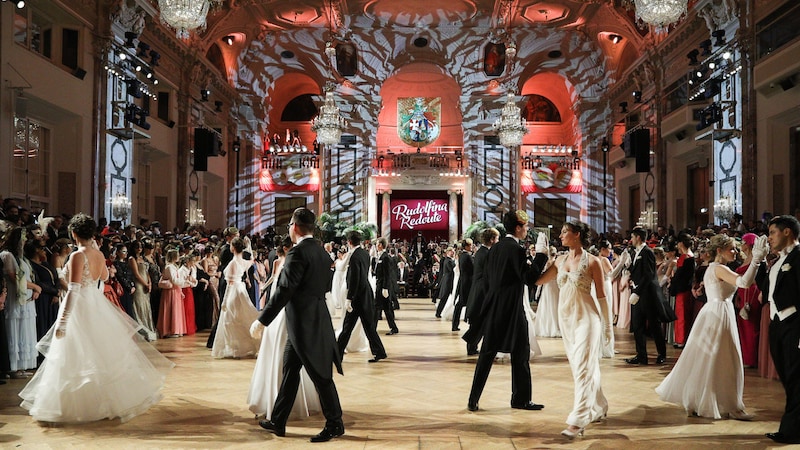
x,y
229,40
615,38
218,105
719,37
130,36
692,55
142,50
623,107
637,96
204,93
706,47
154,57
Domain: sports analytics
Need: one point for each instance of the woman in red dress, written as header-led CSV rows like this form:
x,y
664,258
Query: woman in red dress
x,y
681,287
188,272
748,304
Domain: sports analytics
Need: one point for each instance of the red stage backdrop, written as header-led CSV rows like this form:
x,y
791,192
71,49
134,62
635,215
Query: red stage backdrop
x,y
418,215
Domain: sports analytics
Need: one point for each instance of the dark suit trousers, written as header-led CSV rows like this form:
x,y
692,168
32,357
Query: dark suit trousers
x,y
473,335
328,397
784,337
457,313
385,305
520,373
440,306
646,317
350,319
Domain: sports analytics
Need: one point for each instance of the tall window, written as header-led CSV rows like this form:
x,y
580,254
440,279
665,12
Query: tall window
x,y
31,160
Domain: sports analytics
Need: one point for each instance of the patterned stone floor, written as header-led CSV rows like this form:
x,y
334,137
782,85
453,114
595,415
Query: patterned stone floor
x,y
416,399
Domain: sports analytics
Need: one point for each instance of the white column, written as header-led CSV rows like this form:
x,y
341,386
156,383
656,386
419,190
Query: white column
x,y
386,223
452,235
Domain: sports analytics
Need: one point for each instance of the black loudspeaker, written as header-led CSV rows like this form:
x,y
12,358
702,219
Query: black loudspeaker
x,y
640,142
206,142
627,142
79,73
200,161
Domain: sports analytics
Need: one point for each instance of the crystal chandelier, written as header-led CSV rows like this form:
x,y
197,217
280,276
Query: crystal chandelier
x,y
329,123
511,127
120,206
659,13
184,15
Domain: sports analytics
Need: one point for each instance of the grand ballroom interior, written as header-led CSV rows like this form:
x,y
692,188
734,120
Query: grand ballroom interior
x,y
612,112
564,109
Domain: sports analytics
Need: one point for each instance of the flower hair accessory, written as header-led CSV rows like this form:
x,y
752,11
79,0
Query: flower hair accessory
x,y
522,217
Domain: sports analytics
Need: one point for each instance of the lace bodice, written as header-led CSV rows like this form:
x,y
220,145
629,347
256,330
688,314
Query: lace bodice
x,y
86,276
236,269
578,277
716,289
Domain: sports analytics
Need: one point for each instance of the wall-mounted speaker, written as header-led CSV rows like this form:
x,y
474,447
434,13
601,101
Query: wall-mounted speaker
x,y
206,142
79,73
680,135
640,142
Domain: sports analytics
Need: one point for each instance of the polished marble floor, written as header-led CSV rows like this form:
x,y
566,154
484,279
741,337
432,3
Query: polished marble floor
x,y
415,399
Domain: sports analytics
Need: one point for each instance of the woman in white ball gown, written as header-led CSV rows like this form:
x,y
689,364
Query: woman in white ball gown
x,y
96,365
708,379
233,338
268,372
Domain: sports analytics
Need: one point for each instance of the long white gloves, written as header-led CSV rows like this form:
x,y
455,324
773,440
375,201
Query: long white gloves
x,y
760,249
73,289
608,329
385,293
634,299
541,244
348,305
625,259
256,329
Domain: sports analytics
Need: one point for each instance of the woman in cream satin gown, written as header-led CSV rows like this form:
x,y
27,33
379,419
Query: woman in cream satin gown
x,y
708,379
268,371
584,324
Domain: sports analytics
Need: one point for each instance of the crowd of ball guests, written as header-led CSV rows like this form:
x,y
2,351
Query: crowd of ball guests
x,y
150,268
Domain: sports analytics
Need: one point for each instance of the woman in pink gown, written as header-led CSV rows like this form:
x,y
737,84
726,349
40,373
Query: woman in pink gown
x,y
171,316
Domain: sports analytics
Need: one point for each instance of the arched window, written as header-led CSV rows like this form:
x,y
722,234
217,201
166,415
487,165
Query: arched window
x,y
299,109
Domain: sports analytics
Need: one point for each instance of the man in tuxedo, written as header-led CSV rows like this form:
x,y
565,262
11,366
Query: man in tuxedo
x,y
780,285
646,300
385,283
505,327
464,281
446,274
477,293
311,343
359,302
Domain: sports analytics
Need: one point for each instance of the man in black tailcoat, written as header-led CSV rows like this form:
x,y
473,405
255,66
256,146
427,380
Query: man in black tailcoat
x,y
359,302
465,267
780,286
385,284
647,302
311,342
505,327
447,275
477,293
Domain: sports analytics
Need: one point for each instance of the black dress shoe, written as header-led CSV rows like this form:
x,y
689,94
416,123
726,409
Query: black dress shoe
x,y
472,406
783,439
377,358
661,359
391,332
271,426
455,329
438,316
472,351
328,433
530,406
636,360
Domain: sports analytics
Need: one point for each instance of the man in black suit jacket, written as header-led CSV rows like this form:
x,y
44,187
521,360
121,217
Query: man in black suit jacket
x,y
646,300
385,284
446,275
477,293
780,285
311,343
465,268
506,327
359,302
